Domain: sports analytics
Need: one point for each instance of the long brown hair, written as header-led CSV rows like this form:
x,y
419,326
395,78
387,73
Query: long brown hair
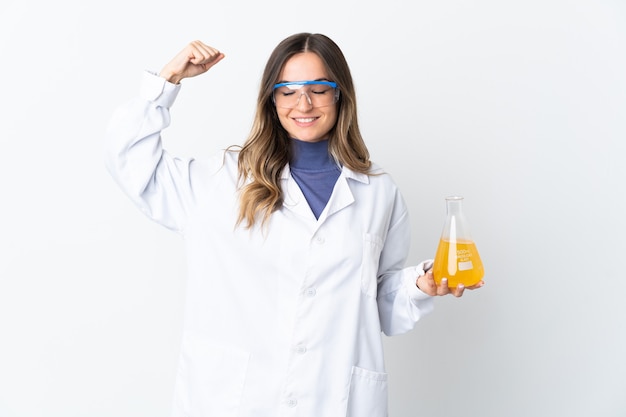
x,y
267,150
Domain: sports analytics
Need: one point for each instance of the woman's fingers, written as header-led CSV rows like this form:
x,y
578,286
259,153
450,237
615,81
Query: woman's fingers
x,y
196,58
202,54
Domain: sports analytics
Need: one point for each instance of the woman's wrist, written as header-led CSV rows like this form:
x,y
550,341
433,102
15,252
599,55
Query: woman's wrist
x,y
170,77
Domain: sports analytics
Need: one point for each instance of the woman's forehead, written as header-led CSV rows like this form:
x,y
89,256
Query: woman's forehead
x,y
303,66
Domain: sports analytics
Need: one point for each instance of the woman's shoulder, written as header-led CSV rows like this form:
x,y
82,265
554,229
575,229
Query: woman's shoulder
x,y
376,169
378,174
224,161
375,178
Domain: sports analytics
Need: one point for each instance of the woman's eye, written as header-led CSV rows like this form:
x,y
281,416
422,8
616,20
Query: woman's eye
x,y
320,91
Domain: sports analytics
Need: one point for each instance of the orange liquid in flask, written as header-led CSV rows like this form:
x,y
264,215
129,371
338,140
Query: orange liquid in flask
x,y
459,262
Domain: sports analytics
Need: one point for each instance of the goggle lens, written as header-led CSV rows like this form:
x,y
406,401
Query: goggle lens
x,y
317,93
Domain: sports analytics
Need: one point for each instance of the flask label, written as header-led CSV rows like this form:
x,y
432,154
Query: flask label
x,y
465,266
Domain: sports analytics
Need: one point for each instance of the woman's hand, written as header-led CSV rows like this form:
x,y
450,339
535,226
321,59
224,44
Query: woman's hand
x,y
195,59
426,283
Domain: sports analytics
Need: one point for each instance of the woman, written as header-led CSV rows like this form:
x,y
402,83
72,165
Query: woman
x,y
296,243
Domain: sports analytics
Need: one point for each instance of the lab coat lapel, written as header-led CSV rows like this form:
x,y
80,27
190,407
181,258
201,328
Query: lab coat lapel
x,y
293,198
342,195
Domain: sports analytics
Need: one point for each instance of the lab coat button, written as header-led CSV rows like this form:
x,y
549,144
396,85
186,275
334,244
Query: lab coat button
x,y
310,292
300,349
291,402
320,240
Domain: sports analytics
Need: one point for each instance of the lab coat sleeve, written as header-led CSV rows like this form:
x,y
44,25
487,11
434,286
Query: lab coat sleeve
x,y
156,182
400,302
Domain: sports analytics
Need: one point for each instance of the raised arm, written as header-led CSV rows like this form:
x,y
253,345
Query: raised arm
x,y
156,182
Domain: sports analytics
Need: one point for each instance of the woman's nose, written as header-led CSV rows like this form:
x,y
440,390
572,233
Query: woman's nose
x,y
304,105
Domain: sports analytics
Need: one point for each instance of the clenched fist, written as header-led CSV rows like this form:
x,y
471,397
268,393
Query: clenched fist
x,y
195,59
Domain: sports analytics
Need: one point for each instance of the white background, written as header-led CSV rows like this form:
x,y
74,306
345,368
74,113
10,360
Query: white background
x,y
517,105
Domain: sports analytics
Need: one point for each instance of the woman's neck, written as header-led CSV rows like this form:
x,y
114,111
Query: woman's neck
x,y
311,155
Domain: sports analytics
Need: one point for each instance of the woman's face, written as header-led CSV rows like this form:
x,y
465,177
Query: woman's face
x,y
306,122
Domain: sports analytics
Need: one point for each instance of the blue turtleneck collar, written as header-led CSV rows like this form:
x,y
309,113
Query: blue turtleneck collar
x,y
311,155
315,172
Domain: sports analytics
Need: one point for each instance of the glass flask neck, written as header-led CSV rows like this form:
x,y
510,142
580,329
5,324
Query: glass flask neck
x,y
454,205
455,227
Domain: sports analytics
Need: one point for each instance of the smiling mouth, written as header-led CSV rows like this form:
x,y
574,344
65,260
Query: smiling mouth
x,y
305,119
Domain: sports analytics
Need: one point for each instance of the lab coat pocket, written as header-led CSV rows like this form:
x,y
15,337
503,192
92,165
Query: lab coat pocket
x,y
372,247
211,378
368,393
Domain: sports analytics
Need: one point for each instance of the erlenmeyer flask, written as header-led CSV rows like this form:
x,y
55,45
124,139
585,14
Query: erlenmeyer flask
x,y
457,258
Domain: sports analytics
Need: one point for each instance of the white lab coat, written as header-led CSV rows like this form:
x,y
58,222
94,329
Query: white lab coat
x,y
282,323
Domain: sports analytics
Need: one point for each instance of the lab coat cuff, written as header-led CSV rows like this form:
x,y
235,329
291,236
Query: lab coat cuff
x,y
158,90
410,279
